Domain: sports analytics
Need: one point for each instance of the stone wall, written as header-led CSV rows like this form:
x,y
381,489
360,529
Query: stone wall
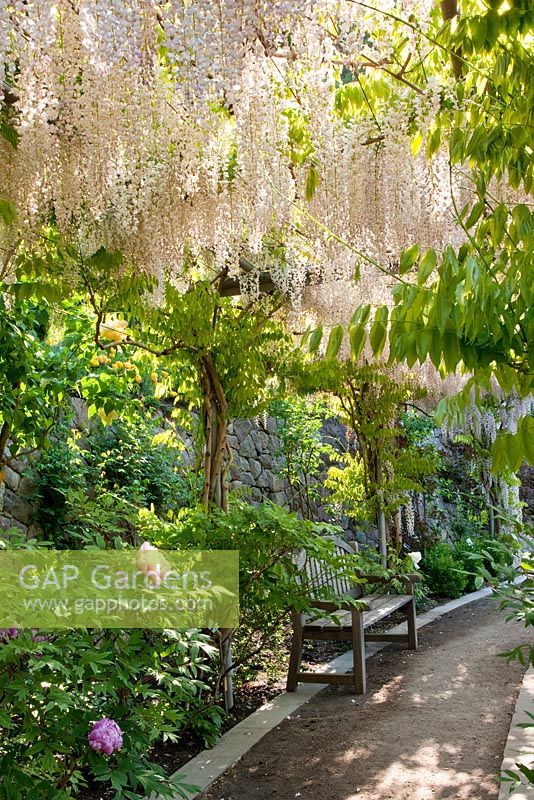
x,y
254,472
256,464
17,499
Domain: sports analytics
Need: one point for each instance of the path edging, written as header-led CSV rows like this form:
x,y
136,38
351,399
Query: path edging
x,y
520,743
209,765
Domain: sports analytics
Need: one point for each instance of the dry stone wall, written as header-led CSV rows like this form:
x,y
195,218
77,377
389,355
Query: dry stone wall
x,y
254,475
256,464
18,504
254,472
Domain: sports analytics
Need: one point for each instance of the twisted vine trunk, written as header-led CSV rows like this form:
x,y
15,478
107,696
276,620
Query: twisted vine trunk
x,y
215,421
214,490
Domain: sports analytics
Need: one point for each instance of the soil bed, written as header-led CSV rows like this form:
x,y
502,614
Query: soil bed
x,y
248,698
432,725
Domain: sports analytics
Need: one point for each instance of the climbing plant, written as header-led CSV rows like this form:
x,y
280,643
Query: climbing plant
x,y
379,469
208,352
303,450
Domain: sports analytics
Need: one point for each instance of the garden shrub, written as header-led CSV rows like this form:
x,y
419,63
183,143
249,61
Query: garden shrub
x,y
90,485
54,688
476,553
443,571
130,457
303,452
267,538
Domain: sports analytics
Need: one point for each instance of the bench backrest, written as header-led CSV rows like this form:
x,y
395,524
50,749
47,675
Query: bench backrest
x,y
321,575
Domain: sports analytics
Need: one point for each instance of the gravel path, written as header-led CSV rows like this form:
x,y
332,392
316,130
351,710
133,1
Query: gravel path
x,y
432,725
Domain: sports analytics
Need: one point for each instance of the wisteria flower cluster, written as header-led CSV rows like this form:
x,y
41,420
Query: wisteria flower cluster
x,y
164,128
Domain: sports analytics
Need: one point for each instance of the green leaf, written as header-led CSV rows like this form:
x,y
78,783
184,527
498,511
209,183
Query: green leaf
x,y
377,337
435,348
361,315
312,181
475,214
500,216
415,144
315,339
433,142
427,266
8,212
506,453
456,144
422,344
9,133
334,342
357,340
525,429
479,28
451,350
408,258
305,337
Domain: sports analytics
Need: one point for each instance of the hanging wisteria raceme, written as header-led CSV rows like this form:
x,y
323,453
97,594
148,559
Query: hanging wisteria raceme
x,y
224,127
483,424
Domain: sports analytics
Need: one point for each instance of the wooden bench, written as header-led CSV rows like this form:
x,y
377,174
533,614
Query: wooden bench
x,y
353,622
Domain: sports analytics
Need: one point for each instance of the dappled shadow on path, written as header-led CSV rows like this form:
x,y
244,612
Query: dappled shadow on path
x,y
432,725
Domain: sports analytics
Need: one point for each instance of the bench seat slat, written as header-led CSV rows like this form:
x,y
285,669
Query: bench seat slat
x,y
385,606
381,606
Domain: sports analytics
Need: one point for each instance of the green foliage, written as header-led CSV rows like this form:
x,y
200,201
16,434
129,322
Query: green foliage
x,y
8,212
467,309
443,571
458,485
245,347
472,308
90,485
480,553
150,682
220,355
379,469
268,539
129,457
511,449
35,375
302,448
501,563
419,427
47,357
518,600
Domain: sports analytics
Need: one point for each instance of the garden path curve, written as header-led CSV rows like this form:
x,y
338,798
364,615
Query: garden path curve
x,y
432,725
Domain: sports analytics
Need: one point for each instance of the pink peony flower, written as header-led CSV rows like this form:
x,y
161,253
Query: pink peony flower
x,y
9,633
105,736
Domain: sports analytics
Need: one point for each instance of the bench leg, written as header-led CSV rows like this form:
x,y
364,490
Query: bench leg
x,y
296,653
411,619
358,650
